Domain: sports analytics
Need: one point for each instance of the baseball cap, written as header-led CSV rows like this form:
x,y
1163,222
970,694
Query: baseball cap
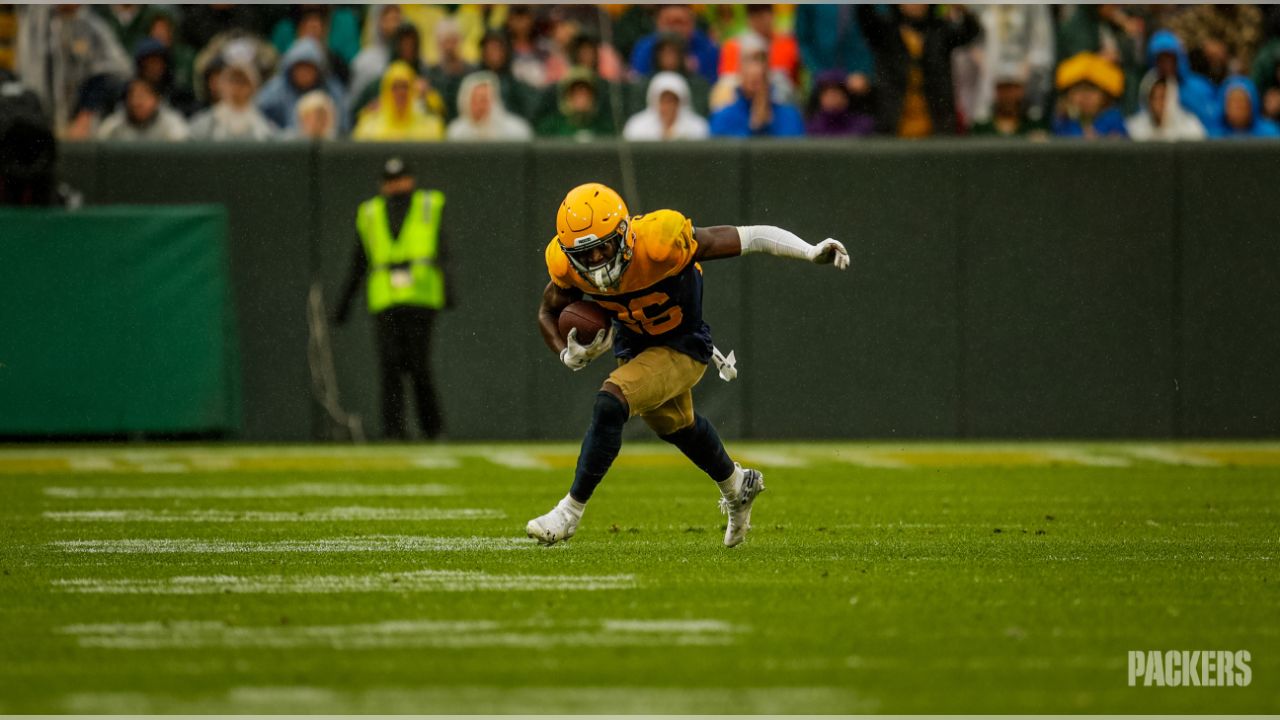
x,y
395,168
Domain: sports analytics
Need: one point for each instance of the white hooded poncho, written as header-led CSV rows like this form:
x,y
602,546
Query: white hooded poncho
x,y
647,124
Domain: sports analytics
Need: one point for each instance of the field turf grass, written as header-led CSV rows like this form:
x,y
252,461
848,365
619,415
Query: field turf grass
x,y
877,578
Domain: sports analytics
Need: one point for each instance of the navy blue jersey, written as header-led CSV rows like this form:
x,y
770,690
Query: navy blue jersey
x,y
667,313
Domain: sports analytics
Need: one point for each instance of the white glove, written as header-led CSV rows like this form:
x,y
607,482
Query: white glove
x,y
726,365
830,251
575,356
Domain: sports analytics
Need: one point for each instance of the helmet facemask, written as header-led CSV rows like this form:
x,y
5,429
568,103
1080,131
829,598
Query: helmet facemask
x,y
606,275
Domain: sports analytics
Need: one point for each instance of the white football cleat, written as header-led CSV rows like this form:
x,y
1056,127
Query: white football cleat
x,y
736,504
559,524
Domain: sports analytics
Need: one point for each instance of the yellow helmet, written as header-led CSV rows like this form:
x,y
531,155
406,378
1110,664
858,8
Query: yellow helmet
x,y
594,231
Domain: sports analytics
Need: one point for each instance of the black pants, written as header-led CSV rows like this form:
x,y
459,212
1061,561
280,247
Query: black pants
x,y
404,348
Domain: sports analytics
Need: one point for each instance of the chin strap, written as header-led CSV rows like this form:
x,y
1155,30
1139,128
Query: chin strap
x,y
726,365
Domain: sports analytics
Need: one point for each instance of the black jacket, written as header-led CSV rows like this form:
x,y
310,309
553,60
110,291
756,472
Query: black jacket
x,y
893,64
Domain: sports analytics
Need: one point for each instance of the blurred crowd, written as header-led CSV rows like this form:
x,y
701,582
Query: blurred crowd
x,y
645,72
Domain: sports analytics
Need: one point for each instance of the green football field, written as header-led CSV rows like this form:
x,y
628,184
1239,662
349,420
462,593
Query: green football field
x,y
397,579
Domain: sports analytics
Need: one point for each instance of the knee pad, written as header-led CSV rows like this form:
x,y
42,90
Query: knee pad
x,y
608,411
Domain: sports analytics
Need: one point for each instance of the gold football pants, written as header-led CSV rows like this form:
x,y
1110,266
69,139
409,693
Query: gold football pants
x,y
658,385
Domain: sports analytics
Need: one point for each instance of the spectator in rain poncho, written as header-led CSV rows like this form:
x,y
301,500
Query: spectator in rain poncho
x,y
578,113
236,46
1162,116
317,117
303,69
1241,116
234,116
668,115
400,113
405,47
1169,62
481,114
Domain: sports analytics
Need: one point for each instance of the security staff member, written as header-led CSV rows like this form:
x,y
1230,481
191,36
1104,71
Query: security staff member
x,y
400,251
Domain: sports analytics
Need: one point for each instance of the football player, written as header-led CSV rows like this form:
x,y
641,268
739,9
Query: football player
x,y
645,271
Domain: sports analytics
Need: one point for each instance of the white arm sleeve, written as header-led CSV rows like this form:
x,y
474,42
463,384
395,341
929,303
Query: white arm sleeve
x,y
774,241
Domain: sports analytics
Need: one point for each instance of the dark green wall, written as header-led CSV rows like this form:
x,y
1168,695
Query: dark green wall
x,y
1067,293
997,290
871,352
1229,290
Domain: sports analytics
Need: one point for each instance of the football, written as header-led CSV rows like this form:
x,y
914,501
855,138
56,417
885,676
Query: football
x,y
588,317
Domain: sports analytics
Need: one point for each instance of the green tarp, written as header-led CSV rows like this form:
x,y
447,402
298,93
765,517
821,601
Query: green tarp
x,y
116,320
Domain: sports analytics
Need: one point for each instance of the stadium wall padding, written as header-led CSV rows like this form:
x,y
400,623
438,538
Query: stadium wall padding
x,y
1229,290
998,290
116,320
1067,293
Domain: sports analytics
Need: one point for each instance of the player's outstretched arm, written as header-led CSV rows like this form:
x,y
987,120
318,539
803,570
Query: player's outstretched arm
x,y
727,241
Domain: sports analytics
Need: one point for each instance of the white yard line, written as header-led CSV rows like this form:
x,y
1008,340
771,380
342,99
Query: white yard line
x,y
516,459
373,543
1171,456
184,635
91,463
412,581
1083,457
772,458
292,490
864,458
344,514
435,462
671,626
494,700
235,459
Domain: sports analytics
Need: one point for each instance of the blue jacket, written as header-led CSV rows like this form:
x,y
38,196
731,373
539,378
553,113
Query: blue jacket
x,y
700,46
830,38
1261,126
735,121
278,97
1109,123
1195,93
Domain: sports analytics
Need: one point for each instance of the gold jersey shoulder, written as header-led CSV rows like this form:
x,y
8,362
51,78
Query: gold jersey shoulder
x,y
664,246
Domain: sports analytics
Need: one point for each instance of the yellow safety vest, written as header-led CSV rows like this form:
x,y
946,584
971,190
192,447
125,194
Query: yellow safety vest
x,y
403,270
